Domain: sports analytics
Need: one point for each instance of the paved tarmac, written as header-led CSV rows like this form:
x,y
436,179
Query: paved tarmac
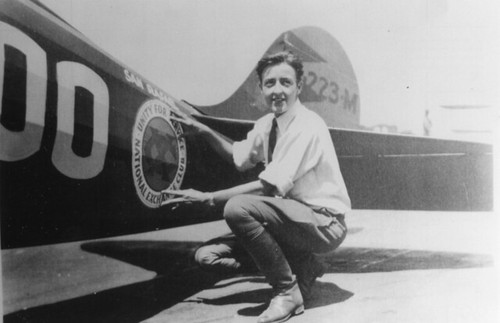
x,y
394,266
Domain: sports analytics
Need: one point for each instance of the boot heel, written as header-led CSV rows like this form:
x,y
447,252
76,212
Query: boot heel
x,y
299,310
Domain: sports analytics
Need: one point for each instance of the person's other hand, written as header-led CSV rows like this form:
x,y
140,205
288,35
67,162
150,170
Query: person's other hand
x,y
191,126
189,196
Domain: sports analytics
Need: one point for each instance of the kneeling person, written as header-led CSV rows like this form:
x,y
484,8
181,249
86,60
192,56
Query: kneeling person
x,y
296,207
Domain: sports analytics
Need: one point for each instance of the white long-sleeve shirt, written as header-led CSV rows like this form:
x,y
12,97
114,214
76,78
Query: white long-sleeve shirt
x,y
304,164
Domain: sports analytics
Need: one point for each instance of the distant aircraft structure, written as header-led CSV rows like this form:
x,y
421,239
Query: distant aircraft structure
x,y
465,107
468,122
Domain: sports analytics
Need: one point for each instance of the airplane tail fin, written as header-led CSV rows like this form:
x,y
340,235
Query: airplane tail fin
x,y
330,87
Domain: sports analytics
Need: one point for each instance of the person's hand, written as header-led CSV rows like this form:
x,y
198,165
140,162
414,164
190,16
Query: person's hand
x,y
191,126
189,196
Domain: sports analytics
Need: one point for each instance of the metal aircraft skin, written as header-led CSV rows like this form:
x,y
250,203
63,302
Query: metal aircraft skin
x,y
87,144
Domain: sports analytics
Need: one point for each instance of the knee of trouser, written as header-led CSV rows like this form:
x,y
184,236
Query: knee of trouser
x,y
239,217
234,210
205,257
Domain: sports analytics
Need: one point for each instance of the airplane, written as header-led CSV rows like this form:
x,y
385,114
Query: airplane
x,y
87,144
472,122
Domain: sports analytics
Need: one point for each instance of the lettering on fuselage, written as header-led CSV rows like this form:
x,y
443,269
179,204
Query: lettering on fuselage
x,y
144,85
158,153
319,88
24,80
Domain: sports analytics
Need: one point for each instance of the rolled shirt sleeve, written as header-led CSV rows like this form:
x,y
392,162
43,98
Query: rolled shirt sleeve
x,y
296,155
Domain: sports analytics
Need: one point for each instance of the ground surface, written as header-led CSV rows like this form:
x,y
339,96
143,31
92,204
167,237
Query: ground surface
x,y
395,266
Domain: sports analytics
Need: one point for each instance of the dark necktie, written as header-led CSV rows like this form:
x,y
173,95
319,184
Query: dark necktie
x,y
272,140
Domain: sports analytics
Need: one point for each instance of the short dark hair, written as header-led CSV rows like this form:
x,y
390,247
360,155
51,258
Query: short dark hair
x,y
281,57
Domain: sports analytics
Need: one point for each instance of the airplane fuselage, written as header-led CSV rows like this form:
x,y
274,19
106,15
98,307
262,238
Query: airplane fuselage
x,y
87,144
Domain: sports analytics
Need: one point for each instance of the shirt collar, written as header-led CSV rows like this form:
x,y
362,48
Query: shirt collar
x,y
286,118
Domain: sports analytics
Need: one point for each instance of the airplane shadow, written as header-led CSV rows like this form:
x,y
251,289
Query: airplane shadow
x,y
179,278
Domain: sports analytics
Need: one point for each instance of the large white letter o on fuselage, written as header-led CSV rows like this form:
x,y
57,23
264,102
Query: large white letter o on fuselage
x,y
18,145
70,75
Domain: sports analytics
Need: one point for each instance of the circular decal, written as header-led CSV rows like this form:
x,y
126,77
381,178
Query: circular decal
x,y
158,153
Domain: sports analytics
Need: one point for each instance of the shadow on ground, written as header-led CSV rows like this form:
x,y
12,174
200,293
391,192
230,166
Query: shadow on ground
x,y
165,257
366,260
178,278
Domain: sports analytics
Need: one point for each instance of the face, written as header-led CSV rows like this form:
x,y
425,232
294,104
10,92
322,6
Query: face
x,y
280,88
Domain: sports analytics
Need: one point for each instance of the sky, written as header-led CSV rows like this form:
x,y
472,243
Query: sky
x,y
408,55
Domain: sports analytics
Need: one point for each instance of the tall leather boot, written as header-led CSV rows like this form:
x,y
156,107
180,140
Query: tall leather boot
x,y
307,267
271,261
